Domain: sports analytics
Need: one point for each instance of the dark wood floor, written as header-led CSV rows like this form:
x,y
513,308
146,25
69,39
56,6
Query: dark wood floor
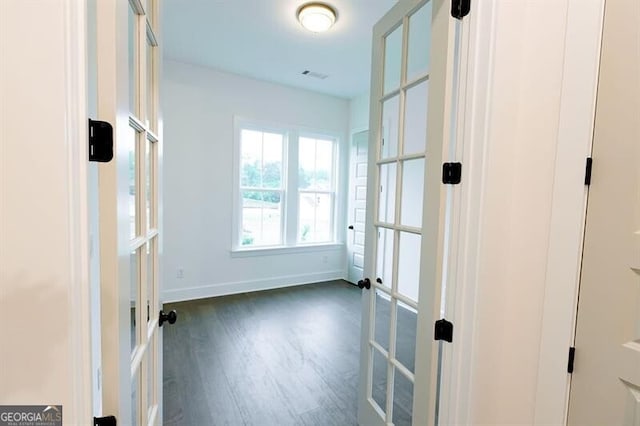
x,y
278,357
272,358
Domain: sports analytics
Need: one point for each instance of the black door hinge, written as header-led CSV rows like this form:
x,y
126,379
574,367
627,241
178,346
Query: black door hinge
x,y
460,8
104,421
587,173
100,141
443,330
572,356
451,173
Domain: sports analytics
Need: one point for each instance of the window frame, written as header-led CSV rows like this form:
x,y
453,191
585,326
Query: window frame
x,y
332,192
290,189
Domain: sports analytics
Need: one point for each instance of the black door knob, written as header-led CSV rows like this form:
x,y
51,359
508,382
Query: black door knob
x,y
170,317
104,421
365,283
351,227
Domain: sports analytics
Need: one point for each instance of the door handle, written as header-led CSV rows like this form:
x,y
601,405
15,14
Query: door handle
x,y
105,421
365,283
170,317
351,227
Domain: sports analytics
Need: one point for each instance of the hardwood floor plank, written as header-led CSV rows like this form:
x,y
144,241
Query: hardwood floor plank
x,y
272,358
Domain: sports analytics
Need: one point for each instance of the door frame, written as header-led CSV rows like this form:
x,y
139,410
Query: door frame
x,y
76,110
67,34
575,139
580,71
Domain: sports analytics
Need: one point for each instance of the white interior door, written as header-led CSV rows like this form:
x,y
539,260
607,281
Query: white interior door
x,y
357,204
605,386
412,63
128,60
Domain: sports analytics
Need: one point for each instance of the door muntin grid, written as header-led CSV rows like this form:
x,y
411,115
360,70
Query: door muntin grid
x,y
401,160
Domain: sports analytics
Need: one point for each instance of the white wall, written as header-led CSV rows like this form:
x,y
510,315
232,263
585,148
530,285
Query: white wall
x,y
359,113
198,108
44,278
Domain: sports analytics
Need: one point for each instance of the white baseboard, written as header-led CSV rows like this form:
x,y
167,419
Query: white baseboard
x,y
224,289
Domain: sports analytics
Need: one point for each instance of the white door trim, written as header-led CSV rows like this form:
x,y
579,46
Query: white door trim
x,y
75,39
474,110
574,144
575,137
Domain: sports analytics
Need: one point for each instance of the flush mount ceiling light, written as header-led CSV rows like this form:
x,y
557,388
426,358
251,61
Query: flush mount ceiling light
x,y
317,17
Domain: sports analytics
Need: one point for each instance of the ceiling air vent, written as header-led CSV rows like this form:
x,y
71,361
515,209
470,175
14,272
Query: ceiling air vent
x,y
314,74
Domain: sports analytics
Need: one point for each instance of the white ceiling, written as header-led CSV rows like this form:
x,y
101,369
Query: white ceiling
x,y
262,39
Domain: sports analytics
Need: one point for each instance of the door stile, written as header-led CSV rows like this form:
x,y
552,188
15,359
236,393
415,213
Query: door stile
x,y
454,234
423,381
114,273
433,248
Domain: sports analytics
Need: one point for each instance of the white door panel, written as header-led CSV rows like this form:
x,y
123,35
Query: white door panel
x,y
605,386
357,205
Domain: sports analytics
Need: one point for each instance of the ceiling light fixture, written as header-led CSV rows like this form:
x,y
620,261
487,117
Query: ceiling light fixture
x,y
317,17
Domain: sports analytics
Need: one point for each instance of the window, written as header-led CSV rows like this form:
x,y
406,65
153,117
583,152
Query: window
x,y
261,187
286,187
316,190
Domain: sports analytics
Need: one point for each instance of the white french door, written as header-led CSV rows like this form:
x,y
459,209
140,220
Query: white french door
x,y
128,59
406,210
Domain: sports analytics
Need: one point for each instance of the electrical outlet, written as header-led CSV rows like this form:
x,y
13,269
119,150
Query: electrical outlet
x,y
180,273
325,259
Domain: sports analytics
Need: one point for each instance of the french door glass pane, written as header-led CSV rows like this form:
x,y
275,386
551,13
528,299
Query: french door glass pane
x,y
406,329
132,51
148,147
412,193
151,375
390,125
409,265
415,119
392,60
135,398
384,264
150,84
315,216
134,297
150,247
132,142
402,400
387,199
261,218
419,42
379,379
382,318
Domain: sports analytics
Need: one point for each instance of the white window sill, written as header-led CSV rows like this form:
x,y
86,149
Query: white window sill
x,y
272,251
